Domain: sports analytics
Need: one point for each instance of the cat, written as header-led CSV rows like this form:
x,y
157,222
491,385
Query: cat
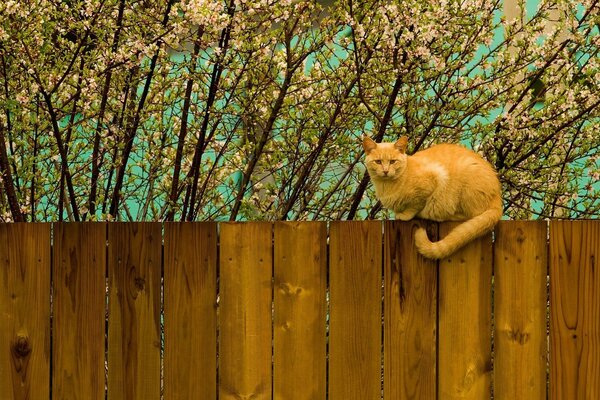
x,y
445,182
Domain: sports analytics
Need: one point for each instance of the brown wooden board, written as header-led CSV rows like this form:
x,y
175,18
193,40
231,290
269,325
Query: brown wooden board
x,y
190,300
355,262
464,298
245,337
410,321
574,310
300,305
134,273
520,342
79,308
25,311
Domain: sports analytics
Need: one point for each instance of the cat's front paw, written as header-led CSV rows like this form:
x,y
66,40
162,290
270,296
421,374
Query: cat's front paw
x,y
405,215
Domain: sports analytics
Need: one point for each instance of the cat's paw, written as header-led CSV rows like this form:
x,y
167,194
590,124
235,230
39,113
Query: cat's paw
x,y
405,215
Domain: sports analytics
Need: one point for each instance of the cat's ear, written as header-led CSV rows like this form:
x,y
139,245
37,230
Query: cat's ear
x,y
401,144
368,144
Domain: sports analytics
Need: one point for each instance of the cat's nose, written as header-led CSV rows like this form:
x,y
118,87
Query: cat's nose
x,y
385,172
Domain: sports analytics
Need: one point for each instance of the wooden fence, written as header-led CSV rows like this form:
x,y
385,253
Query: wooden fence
x,y
339,311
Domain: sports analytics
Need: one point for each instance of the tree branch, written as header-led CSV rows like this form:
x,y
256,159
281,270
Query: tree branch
x,y
190,198
362,186
97,158
8,180
64,164
183,127
133,126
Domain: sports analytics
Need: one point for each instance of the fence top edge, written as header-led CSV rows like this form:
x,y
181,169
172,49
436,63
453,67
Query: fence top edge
x,y
371,221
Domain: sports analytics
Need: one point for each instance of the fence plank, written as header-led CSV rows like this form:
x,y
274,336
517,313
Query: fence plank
x,y
574,310
25,311
300,310
79,295
464,369
245,311
410,305
355,310
190,279
520,343
134,269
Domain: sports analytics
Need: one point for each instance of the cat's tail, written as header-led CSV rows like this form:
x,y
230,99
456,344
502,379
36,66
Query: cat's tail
x,y
459,236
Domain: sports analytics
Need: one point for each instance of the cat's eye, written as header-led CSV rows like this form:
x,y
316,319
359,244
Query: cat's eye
x,y
377,161
393,161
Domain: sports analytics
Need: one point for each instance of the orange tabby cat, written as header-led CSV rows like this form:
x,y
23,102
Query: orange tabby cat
x,y
443,183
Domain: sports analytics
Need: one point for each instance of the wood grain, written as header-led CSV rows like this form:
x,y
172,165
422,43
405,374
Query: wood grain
x,y
25,311
574,310
246,263
190,300
134,272
300,277
355,262
410,321
520,342
464,351
79,293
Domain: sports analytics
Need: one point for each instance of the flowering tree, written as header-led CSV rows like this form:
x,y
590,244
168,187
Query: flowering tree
x,y
253,109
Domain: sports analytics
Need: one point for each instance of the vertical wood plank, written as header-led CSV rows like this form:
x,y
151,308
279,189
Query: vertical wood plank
x,y
520,343
190,278
464,297
134,273
246,263
79,271
25,311
410,322
355,262
574,310
300,273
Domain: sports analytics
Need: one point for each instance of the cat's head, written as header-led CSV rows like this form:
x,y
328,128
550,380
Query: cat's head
x,y
385,160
